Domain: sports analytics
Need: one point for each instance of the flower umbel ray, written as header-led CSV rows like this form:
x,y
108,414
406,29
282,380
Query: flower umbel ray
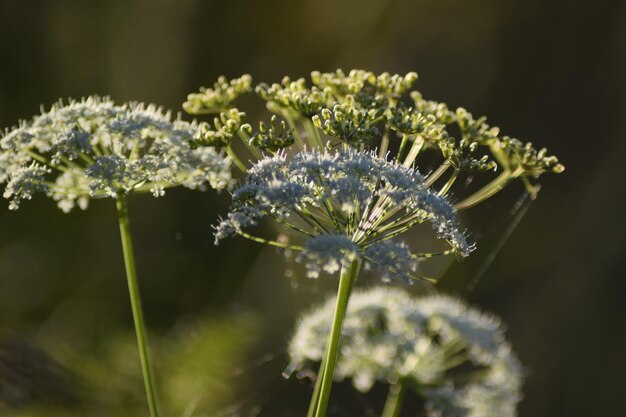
x,y
346,205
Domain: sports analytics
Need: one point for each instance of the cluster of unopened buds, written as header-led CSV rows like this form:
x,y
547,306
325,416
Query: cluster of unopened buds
x,y
344,162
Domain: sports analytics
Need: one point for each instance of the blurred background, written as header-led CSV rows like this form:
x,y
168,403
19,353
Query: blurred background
x,y
552,72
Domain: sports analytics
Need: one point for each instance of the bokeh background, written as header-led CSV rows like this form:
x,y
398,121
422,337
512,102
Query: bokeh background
x,y
552,72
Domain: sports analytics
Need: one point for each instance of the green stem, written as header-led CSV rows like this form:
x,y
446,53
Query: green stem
x,y
313,136
236,160
384,145
393,404
135,302
296,133
316,391
488,190
418,143
269,242
405,139
446,187
430,180
348,276
245,139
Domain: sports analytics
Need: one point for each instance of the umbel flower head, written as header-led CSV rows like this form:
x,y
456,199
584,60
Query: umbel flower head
x,y
93,148
347,205
368,111
455,357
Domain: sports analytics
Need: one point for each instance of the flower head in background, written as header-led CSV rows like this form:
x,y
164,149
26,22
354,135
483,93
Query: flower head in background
x,y
346,205
93,148
455,357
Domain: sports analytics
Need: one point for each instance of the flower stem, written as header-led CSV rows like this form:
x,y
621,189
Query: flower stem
x,y
488,190
316,391
418,144
393,404
236,160
327,369
135,302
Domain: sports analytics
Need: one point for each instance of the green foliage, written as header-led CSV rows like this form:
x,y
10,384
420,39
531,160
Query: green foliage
x,y
195,366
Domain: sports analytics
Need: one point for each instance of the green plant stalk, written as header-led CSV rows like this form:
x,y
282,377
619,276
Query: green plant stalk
x,y
316,391
236,160
327,369
418,144
135,303
394,401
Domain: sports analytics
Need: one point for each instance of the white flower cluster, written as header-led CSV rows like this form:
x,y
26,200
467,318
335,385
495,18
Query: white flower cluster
x,y
328,253
454,356
356,198
94,148
394,260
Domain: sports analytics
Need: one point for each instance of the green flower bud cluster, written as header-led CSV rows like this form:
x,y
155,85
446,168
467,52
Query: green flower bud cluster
x,y
295,96
271,138
349,123
218,98
221,133
407,121
341,84
512,154
459,155
515,155
365,111
395,86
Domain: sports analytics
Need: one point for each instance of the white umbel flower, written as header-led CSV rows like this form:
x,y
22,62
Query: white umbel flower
x,y
455,357
349,198
93,148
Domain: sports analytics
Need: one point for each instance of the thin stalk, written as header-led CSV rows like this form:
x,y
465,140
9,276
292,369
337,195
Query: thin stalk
x,y
394,401
86,158
296,133
430,180
316,133
405,139
418,143
246,141
313,136
488,190
236,160
312,221
43,160
316,391
446,187
135,303
346,280
384,145
269,242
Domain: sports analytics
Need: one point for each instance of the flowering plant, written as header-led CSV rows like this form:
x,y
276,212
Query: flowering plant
x,y
345,165
344,174
93,148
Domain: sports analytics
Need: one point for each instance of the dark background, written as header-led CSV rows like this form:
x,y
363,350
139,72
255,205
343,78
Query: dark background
x,y
547,71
